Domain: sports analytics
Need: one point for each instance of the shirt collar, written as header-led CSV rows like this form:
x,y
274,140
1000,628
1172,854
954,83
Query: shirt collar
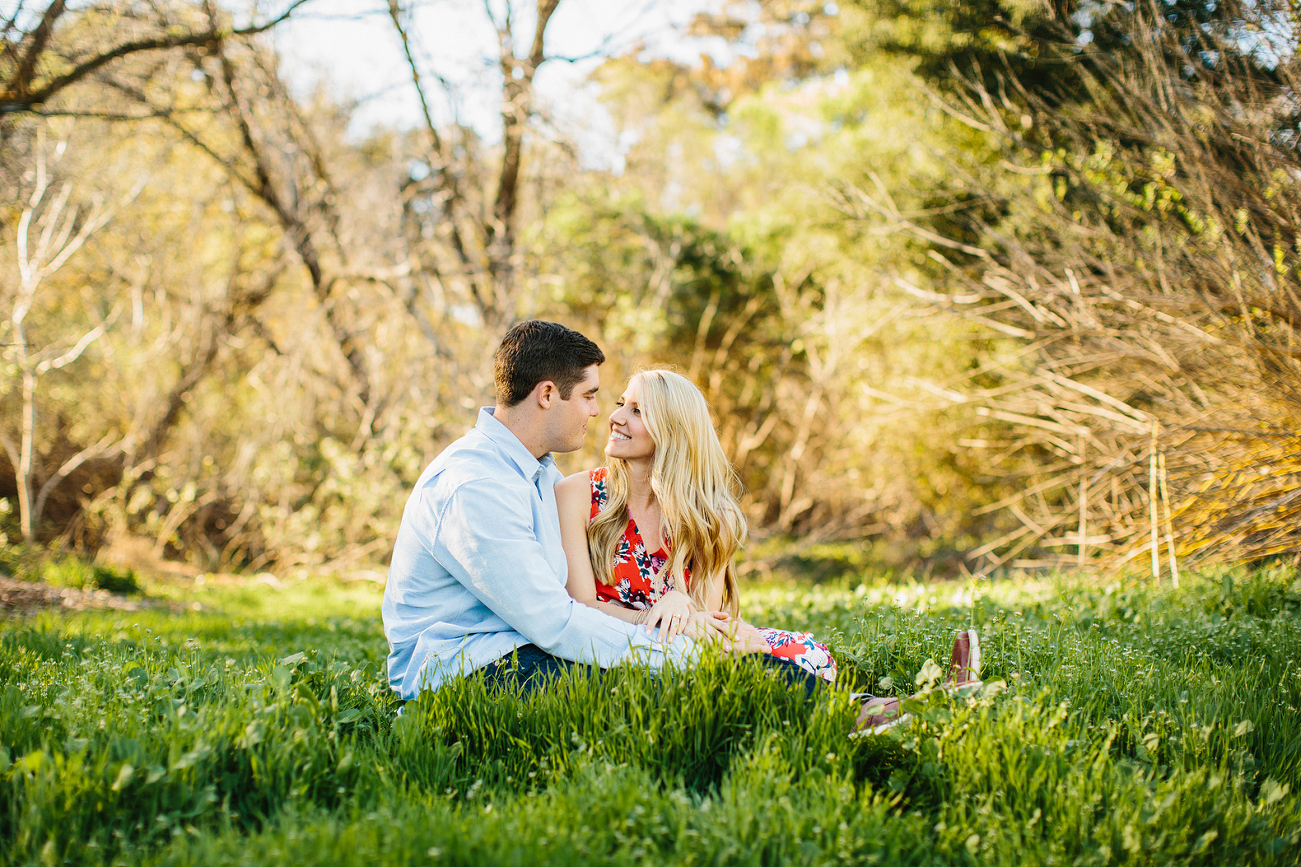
x,y
509,444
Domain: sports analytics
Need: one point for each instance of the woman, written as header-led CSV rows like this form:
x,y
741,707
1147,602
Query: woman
x,y
650,537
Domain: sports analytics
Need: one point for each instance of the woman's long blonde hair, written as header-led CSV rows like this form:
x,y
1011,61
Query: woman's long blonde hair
x,y
694,485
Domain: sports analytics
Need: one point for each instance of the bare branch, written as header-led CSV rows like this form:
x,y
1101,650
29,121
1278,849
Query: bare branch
x,y
75,351
20,97
396,15
36,43
107,444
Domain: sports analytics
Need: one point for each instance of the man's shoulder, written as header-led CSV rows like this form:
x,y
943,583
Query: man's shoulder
x,y
471,450
472,462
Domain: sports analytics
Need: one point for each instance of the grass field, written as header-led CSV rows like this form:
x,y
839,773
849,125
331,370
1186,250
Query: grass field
x,y
1137,726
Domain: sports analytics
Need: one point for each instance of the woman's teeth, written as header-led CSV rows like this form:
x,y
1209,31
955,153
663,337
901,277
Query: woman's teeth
x,y
615,435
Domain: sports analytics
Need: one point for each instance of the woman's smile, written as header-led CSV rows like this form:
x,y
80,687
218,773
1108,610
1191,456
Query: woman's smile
x,y
629,438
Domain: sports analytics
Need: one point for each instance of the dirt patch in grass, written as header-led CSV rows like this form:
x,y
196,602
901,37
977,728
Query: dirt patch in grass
x,y
22,598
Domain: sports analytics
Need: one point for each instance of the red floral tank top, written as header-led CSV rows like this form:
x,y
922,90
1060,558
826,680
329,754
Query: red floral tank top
x,y
636,572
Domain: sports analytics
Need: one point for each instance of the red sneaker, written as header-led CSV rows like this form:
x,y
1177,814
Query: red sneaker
x,y
964,664
877,715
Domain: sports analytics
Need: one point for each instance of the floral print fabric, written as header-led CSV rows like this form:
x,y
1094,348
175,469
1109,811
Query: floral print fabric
x,y
636,573
638,585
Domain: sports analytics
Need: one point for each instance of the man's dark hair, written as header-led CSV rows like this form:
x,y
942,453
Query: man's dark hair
x,y
537,351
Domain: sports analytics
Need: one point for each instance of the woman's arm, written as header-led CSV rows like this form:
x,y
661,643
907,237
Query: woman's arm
x,y
715,601
574,503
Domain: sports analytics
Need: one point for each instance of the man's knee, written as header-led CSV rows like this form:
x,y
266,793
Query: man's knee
x,y
528,667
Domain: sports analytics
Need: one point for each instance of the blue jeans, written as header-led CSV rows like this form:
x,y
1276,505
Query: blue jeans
x,y
529,667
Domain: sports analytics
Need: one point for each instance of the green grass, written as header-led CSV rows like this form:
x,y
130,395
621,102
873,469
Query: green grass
x,y
1137,726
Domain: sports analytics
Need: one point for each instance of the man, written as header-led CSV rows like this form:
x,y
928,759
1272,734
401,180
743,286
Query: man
x,y
478,572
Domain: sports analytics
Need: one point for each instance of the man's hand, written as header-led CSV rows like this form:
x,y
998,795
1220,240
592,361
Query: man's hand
x,y
672,612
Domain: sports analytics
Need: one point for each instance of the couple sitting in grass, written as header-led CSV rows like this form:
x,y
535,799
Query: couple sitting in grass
x,y
502,567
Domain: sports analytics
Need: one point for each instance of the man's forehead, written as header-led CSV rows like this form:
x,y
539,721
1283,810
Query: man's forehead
x,y
591,378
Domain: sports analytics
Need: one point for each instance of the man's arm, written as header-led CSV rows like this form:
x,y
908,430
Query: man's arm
x,y
485,539
574,503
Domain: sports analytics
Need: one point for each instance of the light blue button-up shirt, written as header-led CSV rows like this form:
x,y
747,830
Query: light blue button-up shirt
x,y
478,570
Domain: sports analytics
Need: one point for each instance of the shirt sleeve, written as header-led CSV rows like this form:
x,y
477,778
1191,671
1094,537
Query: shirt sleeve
x,y
484,538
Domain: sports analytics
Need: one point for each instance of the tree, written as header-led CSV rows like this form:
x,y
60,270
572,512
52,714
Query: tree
x,y
477,231
45,53
1140,259
50,231
718,248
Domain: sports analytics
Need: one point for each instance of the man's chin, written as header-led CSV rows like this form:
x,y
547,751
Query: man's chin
x,y
569,447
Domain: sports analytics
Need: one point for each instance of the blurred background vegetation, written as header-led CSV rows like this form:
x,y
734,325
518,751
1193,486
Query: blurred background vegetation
x,y
977,285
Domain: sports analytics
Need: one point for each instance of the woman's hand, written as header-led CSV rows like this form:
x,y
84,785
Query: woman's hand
x,y
704,626
738,636
672,612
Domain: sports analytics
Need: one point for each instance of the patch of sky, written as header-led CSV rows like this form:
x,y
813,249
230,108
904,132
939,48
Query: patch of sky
x,y
466,314
671,196
351,48
1274,38
617,157
728,150
1084,18
1267,38
417,170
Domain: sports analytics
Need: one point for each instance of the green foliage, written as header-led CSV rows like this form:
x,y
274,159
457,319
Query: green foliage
x,y
1126,197
280,358
66,570
722,249
1137,726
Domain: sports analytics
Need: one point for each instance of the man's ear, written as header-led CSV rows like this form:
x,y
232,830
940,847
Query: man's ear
x,y
546,393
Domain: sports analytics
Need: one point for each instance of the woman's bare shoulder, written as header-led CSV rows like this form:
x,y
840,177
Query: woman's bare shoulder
x,y
574,487
580,479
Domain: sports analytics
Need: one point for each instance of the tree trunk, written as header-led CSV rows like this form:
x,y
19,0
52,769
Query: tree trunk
x,y
27,457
